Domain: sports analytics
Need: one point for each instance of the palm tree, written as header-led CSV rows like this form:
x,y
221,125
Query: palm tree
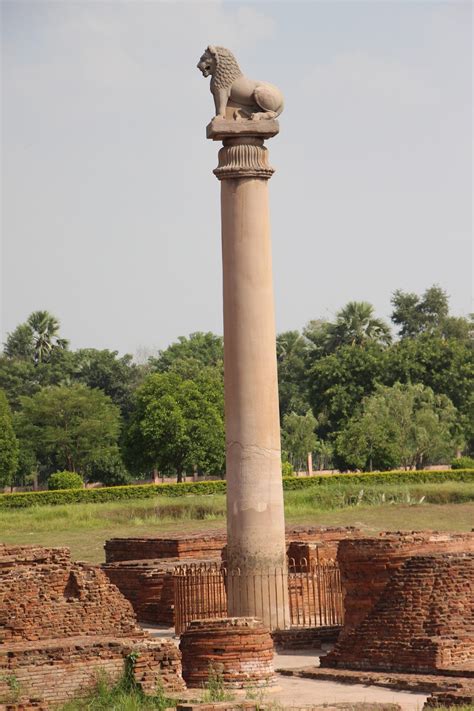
x,y
45,329
356,325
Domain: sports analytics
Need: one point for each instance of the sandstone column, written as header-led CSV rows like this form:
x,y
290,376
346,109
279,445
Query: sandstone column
x,y
255,517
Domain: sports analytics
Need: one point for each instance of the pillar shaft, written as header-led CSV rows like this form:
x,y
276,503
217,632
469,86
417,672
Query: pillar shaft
x,y
256,550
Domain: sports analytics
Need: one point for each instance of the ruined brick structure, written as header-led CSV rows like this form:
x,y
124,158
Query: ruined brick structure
x,y
142,567
409,603
188,546
317,543
149,586
239,649
62,621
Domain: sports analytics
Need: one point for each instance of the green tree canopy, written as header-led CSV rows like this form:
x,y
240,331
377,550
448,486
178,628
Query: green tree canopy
x,y
445,365
117,376
407,425
69,427
356,325
189,355
338,383
298,437
20,344
428,314
291,348
177,425
9,450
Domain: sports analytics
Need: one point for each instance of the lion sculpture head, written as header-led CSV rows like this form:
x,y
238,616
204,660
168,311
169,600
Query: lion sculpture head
x,y
221,65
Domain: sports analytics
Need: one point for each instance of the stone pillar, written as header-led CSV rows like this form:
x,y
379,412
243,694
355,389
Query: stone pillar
x,y
256,550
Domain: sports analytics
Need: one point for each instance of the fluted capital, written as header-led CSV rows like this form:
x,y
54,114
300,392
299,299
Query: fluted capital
x,y
244,157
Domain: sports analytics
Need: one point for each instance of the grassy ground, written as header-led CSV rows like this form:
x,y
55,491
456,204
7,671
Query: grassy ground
x,y
85,527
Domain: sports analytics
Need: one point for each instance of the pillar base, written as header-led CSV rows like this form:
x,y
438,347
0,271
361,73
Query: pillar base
x,y
237,649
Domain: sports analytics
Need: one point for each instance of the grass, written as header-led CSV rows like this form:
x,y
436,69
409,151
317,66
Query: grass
x,y
85,527
122,696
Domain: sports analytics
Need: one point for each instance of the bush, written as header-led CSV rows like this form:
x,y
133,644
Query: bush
x,y
290,483
287,469
463,463
65,480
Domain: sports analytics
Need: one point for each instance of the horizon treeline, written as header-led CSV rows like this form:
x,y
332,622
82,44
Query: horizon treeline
x,y
350,392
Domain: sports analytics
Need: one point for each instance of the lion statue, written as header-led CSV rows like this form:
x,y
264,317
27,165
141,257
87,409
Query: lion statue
x,y
235,96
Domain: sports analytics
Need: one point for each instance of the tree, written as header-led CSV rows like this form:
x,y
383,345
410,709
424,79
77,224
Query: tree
x,y
445,365
115,375
338,382
428,314
298,437
177,425
291,348
356,325
407,425
19,343
36,339
45,329
8,443
189,355
69,427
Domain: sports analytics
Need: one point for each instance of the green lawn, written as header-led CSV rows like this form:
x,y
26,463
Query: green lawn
x,y
85,527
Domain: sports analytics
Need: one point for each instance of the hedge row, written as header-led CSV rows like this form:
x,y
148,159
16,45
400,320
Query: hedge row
x,y
290,483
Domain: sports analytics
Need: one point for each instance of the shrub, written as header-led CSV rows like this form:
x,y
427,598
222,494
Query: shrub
x,y
287,469
290,483
463,463
65,480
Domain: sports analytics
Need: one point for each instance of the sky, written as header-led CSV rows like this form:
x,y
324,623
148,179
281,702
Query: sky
x,y
110,210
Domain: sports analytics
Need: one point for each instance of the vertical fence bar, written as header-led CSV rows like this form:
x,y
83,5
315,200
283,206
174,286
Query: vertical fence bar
x,y
314,593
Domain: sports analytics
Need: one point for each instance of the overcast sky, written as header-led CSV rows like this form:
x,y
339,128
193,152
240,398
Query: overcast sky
x,y
110,207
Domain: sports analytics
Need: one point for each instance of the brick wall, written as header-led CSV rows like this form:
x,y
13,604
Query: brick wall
x,y
423,620
61,621
148,584
305,637
56,670
197,546
367,564
317,542
240,649
188,546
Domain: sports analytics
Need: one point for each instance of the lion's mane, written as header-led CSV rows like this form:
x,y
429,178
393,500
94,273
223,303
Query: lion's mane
x,y
227,69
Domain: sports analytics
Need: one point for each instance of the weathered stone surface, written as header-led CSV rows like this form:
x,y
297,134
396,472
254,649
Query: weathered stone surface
x,y
239,649
219,129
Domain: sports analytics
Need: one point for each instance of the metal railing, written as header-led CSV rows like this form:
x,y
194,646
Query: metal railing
x,y
313,592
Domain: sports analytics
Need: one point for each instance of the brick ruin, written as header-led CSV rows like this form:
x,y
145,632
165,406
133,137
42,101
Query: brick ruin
x,y
189,546
409,603
239,649
61,622
142,567
149,586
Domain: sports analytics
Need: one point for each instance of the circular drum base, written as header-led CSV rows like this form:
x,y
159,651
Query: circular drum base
x,y
236,650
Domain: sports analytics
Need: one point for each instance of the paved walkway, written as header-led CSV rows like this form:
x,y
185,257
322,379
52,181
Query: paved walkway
x,y
297,693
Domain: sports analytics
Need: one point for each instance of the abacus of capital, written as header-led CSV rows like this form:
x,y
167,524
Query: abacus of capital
x,y
246,117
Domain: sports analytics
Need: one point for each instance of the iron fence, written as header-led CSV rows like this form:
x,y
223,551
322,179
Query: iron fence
x,y
311,591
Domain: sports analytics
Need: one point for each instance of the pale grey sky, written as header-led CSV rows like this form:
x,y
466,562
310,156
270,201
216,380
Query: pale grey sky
x,y
110,208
